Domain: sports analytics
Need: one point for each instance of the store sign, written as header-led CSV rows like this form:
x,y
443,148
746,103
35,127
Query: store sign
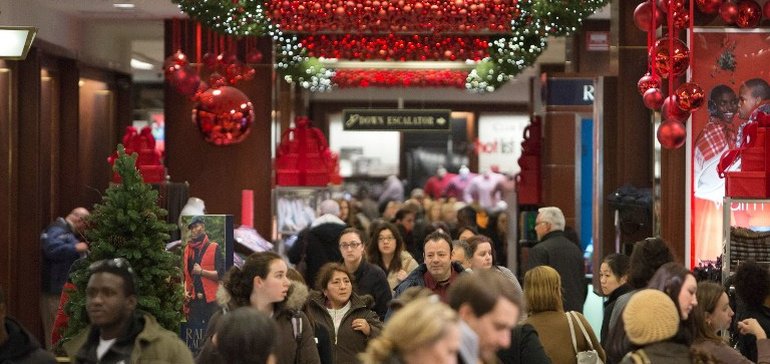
x,y
395,119
598,41
570,91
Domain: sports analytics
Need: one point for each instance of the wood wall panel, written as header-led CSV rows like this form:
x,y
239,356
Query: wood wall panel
x,y
9,178
30,190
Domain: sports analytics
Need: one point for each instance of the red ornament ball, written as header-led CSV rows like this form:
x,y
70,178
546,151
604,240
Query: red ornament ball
x,y
670,111
210,61
176,59
653,98
647,82
671,134
708,6
729,12
665,5
674,60
184,80
643,16
224,115
216,80
749,14
689,96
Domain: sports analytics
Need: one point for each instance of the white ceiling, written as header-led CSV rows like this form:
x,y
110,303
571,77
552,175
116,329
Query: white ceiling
x,y
104,9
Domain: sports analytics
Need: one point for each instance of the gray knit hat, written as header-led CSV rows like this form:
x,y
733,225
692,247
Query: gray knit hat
x,y
650,316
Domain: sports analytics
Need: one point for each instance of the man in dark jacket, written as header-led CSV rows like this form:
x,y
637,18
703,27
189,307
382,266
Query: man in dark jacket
x,y
62,243
489,308
438,271
321,240
558,252
119,333
17,345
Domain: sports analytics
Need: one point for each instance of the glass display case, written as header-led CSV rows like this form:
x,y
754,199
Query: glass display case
x,y
294,208
746,232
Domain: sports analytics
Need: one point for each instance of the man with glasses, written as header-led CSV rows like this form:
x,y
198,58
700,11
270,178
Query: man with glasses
x,y
119,333
62,244
368,278
438,271
558,252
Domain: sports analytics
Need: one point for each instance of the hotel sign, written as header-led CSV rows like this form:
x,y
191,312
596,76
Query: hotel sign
x,y
395,119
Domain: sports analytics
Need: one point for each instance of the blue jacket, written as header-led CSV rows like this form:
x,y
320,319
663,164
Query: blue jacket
x,y
58,244
415,278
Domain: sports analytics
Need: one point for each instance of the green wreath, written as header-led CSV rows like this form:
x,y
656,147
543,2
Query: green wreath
x,y
508,55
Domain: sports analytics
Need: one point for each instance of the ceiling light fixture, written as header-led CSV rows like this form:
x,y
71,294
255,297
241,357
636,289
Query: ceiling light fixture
x,y
124,6
16,41
141,65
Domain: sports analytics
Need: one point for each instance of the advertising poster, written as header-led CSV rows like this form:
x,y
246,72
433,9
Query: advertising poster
x,y
724,60
207,253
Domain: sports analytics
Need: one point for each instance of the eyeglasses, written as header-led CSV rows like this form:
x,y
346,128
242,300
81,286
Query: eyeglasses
x,y
345,246
386,238
118,263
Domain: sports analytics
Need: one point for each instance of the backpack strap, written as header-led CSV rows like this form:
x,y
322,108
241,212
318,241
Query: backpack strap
x,y
296,326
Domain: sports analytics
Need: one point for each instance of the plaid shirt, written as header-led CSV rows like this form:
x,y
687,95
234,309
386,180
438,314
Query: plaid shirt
x,y
715,137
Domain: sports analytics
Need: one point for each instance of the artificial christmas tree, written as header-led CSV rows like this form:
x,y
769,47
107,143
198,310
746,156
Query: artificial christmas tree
x,y
129,223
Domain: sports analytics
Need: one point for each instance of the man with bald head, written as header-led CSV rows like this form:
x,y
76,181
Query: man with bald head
x,y
62,243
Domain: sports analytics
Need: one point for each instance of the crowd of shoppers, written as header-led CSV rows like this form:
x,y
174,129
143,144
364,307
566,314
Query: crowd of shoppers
x,y
418,290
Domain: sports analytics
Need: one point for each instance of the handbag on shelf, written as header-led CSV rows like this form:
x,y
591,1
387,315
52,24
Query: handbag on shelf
x,y
583,357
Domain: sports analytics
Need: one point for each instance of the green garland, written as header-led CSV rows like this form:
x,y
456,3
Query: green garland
x,y
509,55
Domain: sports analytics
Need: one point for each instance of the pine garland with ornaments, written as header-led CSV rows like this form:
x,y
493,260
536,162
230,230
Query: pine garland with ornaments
x,y
516,31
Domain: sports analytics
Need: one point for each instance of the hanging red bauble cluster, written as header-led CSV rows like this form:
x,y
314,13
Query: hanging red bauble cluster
x,y
669,58
180,74
227,66
674,60
749,13
397,47
352,78
223,115
383,16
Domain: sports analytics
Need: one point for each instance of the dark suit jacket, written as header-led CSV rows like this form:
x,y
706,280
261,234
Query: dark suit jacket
x,y
558,252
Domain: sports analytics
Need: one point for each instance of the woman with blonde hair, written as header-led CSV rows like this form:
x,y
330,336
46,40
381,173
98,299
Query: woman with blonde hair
x,y
542,291
424,331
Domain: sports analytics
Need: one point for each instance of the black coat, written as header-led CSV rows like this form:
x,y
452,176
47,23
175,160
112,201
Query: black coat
x,y
372,280
21,347
321,247
609,304
558,252
525,347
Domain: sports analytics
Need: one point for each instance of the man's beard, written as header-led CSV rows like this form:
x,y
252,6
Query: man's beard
x,y
199,238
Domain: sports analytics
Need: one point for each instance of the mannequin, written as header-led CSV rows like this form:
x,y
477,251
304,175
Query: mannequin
x,y
458,184
481,189
436,184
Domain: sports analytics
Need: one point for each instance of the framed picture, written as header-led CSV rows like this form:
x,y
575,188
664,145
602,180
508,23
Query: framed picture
x,y
207,253
724,59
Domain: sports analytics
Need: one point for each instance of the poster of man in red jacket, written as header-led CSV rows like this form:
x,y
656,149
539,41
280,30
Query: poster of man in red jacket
x,y
204,267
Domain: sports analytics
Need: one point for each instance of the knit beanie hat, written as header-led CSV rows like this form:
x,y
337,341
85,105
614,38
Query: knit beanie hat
x,y
650,316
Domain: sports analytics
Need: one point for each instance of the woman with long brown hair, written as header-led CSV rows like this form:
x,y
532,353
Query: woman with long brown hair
x,y
386,249
714,314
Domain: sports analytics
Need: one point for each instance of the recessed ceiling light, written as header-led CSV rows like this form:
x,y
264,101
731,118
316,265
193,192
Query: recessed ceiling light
x,y
124,5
